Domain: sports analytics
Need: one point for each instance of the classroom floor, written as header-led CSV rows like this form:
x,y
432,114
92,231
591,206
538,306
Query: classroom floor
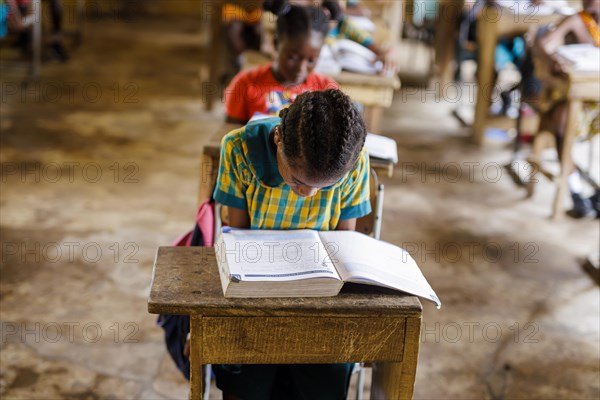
x,y
100,166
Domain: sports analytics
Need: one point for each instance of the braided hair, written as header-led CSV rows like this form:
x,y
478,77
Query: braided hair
x,y
294,20
322,133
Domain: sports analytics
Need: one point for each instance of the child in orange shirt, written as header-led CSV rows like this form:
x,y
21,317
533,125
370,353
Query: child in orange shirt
x,y
300,34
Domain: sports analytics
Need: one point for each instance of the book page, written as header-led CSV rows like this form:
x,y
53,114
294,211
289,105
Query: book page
x,y
268,255
583,57
362,259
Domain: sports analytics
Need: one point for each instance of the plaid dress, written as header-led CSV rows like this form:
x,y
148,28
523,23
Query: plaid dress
x,y
250,180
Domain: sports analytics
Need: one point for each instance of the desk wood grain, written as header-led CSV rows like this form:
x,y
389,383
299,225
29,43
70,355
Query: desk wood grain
x,y
186,280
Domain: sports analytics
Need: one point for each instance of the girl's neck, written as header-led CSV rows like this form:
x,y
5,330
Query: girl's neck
x,y
279,78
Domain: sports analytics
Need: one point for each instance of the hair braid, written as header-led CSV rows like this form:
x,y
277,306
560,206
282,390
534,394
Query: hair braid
x,y
322,133
294,20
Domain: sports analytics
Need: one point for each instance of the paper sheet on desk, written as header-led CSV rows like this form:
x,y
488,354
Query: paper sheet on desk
x,y
527,9
344,54
381,147
583,57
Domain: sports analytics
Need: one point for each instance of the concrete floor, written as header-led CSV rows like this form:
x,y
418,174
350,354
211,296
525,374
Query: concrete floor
x,y
100,166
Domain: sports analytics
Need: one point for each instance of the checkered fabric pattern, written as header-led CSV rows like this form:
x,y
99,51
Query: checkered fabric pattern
x,y
249,180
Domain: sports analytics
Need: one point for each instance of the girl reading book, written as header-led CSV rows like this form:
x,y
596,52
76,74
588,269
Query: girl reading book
x,y
304,170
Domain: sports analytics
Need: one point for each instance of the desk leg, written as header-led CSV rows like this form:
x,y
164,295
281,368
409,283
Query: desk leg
x,y
372,117
397,380
566,162
37,40
215,57
487,38
445,41
196,381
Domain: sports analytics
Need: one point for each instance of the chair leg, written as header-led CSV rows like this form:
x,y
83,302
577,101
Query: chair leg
x,y
575,108
542,140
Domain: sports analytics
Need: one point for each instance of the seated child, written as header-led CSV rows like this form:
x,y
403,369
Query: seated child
x,y
577,28
268,88
304,170
343,27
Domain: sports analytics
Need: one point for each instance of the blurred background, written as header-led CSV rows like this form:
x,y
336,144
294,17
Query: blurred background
x,y
106,107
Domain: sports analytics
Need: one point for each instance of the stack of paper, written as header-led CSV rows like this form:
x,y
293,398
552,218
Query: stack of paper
x,y
347,55
381,147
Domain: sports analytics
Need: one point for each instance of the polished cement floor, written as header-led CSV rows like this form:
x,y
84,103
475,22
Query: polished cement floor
x,y
100,166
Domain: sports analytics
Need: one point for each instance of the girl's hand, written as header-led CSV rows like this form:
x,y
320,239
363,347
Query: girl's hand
x,y
388,58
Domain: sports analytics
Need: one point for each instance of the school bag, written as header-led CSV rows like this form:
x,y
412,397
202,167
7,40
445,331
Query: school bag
x,y
177,327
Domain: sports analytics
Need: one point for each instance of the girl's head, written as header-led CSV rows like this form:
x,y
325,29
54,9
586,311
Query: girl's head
x,y
300,34
319,140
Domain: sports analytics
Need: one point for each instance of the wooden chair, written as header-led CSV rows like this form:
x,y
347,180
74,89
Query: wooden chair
x,y
544,138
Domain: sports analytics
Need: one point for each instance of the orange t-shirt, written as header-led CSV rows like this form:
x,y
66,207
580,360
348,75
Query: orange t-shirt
x,y
257,91
591,25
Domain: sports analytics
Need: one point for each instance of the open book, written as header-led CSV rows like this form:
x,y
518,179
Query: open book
x,y
307,263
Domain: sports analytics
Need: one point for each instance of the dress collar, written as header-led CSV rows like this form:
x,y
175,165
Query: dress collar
x,y
260,151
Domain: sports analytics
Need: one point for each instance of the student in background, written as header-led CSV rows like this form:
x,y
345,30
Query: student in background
x,y
346,29
507,51
304,170
578,28
243,31
300,34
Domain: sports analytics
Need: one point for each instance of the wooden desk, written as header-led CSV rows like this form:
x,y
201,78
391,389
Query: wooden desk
x,y
374,92
446,36
577,88
495,23
356,325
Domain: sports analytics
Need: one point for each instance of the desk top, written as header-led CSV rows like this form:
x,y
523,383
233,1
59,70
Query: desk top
x,y
346,78
185,280
572,84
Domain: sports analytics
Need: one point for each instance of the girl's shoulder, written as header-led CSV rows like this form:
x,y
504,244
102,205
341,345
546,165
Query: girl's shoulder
x,y
255,134
234,140
256,75
317,81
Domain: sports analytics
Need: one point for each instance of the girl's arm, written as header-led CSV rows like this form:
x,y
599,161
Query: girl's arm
x,y
549,43
239,218
346,225
556,38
